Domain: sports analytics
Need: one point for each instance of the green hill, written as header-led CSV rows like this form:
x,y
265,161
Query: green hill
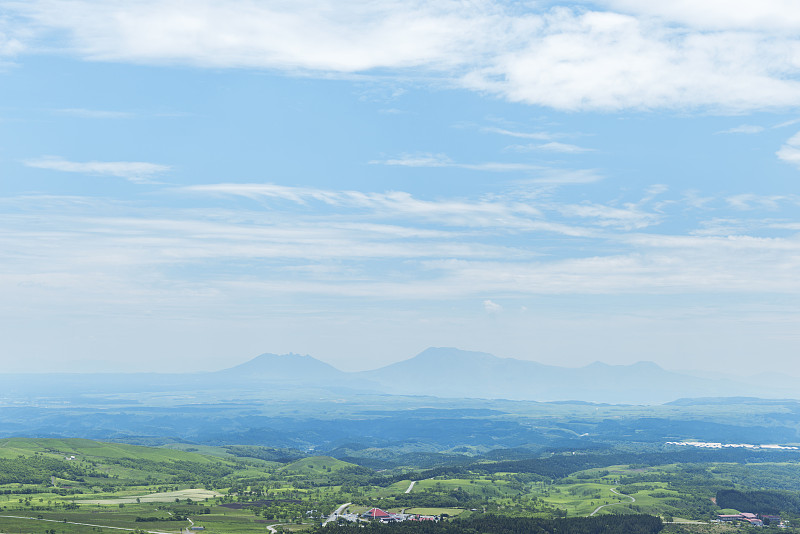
x,y
94,450
315,464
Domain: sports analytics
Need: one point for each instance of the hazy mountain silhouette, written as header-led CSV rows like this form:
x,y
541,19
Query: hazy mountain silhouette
x,y
450,372
291,367
439,372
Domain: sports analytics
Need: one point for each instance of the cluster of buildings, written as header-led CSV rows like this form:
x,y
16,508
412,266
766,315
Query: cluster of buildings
x,y
715,445
387,517
756,520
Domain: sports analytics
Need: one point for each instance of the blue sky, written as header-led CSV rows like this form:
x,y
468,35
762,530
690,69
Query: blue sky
x,y
185,185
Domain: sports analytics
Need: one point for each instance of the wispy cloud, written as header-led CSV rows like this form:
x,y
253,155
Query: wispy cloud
x,y
790,151
294,244
94,113
784,124
508,213
441,160
553,146
743,129
750,201
629,217
134,171
565,177
625,55
12,37
542,136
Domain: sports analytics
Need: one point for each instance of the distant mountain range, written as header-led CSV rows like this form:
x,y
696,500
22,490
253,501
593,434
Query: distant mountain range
x,y
439,372
451,372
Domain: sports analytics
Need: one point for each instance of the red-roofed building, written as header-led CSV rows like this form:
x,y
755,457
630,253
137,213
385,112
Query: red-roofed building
x,y
375,513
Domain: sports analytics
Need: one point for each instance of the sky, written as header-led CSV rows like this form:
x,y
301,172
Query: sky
x,y
187,184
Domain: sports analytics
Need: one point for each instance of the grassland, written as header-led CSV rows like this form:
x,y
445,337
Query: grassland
x,y
54,484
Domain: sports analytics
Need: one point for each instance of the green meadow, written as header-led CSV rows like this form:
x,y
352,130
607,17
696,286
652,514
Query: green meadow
x,y
63,486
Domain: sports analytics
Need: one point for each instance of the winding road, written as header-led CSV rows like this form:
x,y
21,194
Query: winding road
x,y
613,490
336,513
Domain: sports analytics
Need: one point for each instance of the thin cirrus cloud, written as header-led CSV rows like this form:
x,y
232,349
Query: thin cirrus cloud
x,y
553,146
743,129
510,213
441,160
94,113
538,174
450,247
139,172
514,211
620,55
542,136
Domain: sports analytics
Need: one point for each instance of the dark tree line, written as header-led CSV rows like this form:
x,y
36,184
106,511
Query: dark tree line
x,y
491,524
766,502
38,469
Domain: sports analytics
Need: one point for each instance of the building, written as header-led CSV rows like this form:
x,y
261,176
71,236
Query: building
x,y
376,513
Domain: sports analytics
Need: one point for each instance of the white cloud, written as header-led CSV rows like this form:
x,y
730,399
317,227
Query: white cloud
x,y
790,151
600,60
629,217
542,136
566,177
655,55
315,35
386,247
749,201
420,160
12,37
783,124
743,129
9,46
134,171
765,15
492,307
553,146
441,160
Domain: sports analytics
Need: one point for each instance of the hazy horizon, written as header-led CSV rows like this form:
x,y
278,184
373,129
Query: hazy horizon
x,y
103,366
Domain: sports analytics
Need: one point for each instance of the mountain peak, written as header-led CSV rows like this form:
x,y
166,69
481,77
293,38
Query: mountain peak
x,y
453,353
289,366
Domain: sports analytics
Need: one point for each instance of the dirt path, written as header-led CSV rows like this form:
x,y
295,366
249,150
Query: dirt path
x,y
613,490
411,486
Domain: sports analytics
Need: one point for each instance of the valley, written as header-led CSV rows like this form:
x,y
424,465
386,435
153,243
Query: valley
x,y
71,485
239,453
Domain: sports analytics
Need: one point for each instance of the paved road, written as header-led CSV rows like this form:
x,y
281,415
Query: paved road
x,y
613,490
411,486
83,524
336,513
